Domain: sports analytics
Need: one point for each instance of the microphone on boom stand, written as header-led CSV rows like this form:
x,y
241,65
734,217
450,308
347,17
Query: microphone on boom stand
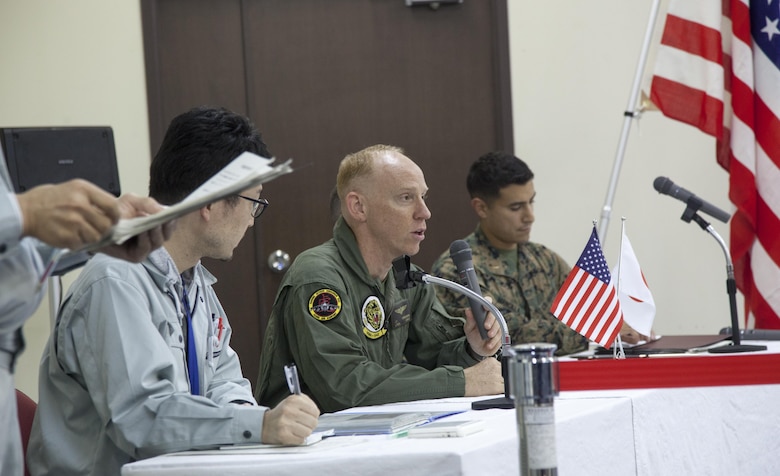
x,y
694,204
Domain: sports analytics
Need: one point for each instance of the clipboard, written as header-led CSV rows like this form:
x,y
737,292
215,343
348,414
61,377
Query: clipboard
x,y
670,344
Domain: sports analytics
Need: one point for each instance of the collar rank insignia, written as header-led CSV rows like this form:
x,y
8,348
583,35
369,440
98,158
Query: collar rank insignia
x,y
324,305
373,315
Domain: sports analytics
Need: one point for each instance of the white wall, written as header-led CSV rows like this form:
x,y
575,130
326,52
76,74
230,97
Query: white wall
x,y
573,65
80,62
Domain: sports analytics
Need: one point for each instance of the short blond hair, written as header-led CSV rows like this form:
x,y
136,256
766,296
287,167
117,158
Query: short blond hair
x,y
359,164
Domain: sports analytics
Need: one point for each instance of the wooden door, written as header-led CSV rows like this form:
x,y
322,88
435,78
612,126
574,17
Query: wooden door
x,y
322,79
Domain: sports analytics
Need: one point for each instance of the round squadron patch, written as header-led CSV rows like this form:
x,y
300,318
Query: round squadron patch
x,y
324,305
373,315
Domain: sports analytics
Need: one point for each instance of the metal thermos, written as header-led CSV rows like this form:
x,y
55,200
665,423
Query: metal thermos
x,y
533,371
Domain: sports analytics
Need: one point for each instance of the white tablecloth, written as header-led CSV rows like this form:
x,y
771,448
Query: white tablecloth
x,y
492,451
728,430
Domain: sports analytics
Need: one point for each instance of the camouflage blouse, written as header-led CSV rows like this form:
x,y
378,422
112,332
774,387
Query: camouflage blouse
x,y
524,298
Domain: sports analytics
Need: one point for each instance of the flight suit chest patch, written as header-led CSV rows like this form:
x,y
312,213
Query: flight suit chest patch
x,y
373,317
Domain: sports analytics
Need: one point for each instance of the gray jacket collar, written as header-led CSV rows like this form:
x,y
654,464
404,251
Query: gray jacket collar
x,y
163,270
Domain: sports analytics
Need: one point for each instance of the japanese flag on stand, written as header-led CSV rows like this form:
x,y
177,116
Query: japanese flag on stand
x,y
587,301
636,300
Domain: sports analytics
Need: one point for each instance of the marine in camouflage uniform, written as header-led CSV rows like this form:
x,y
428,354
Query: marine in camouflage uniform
x,y
522,291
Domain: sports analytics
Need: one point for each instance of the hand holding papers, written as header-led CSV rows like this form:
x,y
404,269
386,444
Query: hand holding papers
x,y
245,171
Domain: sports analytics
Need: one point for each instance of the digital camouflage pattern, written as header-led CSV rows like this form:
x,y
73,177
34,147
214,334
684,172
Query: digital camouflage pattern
x,y
524,303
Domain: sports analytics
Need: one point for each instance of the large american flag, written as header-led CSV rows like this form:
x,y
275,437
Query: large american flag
x,y
587,301
718,68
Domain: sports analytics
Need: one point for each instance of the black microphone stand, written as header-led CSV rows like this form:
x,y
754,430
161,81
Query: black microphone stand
x,y
405,279
694,203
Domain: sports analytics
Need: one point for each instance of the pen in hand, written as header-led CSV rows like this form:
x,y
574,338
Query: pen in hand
x,y
293,383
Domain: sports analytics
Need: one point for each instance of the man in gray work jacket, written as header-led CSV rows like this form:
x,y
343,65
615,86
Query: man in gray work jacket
x,y
124,375
356,339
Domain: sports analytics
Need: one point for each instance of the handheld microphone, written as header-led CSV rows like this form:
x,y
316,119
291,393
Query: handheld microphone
x,y
460,252
667,187
406,278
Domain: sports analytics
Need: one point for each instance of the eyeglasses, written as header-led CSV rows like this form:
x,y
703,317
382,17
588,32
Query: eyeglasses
x,y
258,205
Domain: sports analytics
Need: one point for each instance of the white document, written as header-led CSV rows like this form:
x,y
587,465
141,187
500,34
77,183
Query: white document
x,y
447,429
245,171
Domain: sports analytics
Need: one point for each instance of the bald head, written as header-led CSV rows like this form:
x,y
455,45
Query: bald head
x,y
382,194
358,168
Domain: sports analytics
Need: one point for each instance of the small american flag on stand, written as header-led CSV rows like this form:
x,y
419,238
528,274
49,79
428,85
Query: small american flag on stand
x,y
587,301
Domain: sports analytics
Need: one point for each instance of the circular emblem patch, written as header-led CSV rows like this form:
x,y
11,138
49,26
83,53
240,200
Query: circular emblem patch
x,y
373,315
324,305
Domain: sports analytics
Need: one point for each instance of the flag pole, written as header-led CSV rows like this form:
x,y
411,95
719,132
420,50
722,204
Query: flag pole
x,y
619,352
620,253
629,114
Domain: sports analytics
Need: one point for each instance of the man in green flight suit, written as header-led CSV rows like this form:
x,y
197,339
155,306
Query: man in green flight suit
x,y
355,338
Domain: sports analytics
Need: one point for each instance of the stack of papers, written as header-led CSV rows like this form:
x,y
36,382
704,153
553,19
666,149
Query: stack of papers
x,y
379,423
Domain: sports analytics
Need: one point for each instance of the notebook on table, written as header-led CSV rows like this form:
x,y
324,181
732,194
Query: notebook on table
x,y
376,423
670,344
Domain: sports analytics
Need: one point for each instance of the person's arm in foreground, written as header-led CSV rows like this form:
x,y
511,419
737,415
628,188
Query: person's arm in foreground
x,y
77,213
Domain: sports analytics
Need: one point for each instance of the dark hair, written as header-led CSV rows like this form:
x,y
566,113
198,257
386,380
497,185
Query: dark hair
x,y
494,171
197,145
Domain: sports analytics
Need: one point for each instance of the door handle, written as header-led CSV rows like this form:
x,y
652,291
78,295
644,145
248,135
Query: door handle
x,y
279,261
